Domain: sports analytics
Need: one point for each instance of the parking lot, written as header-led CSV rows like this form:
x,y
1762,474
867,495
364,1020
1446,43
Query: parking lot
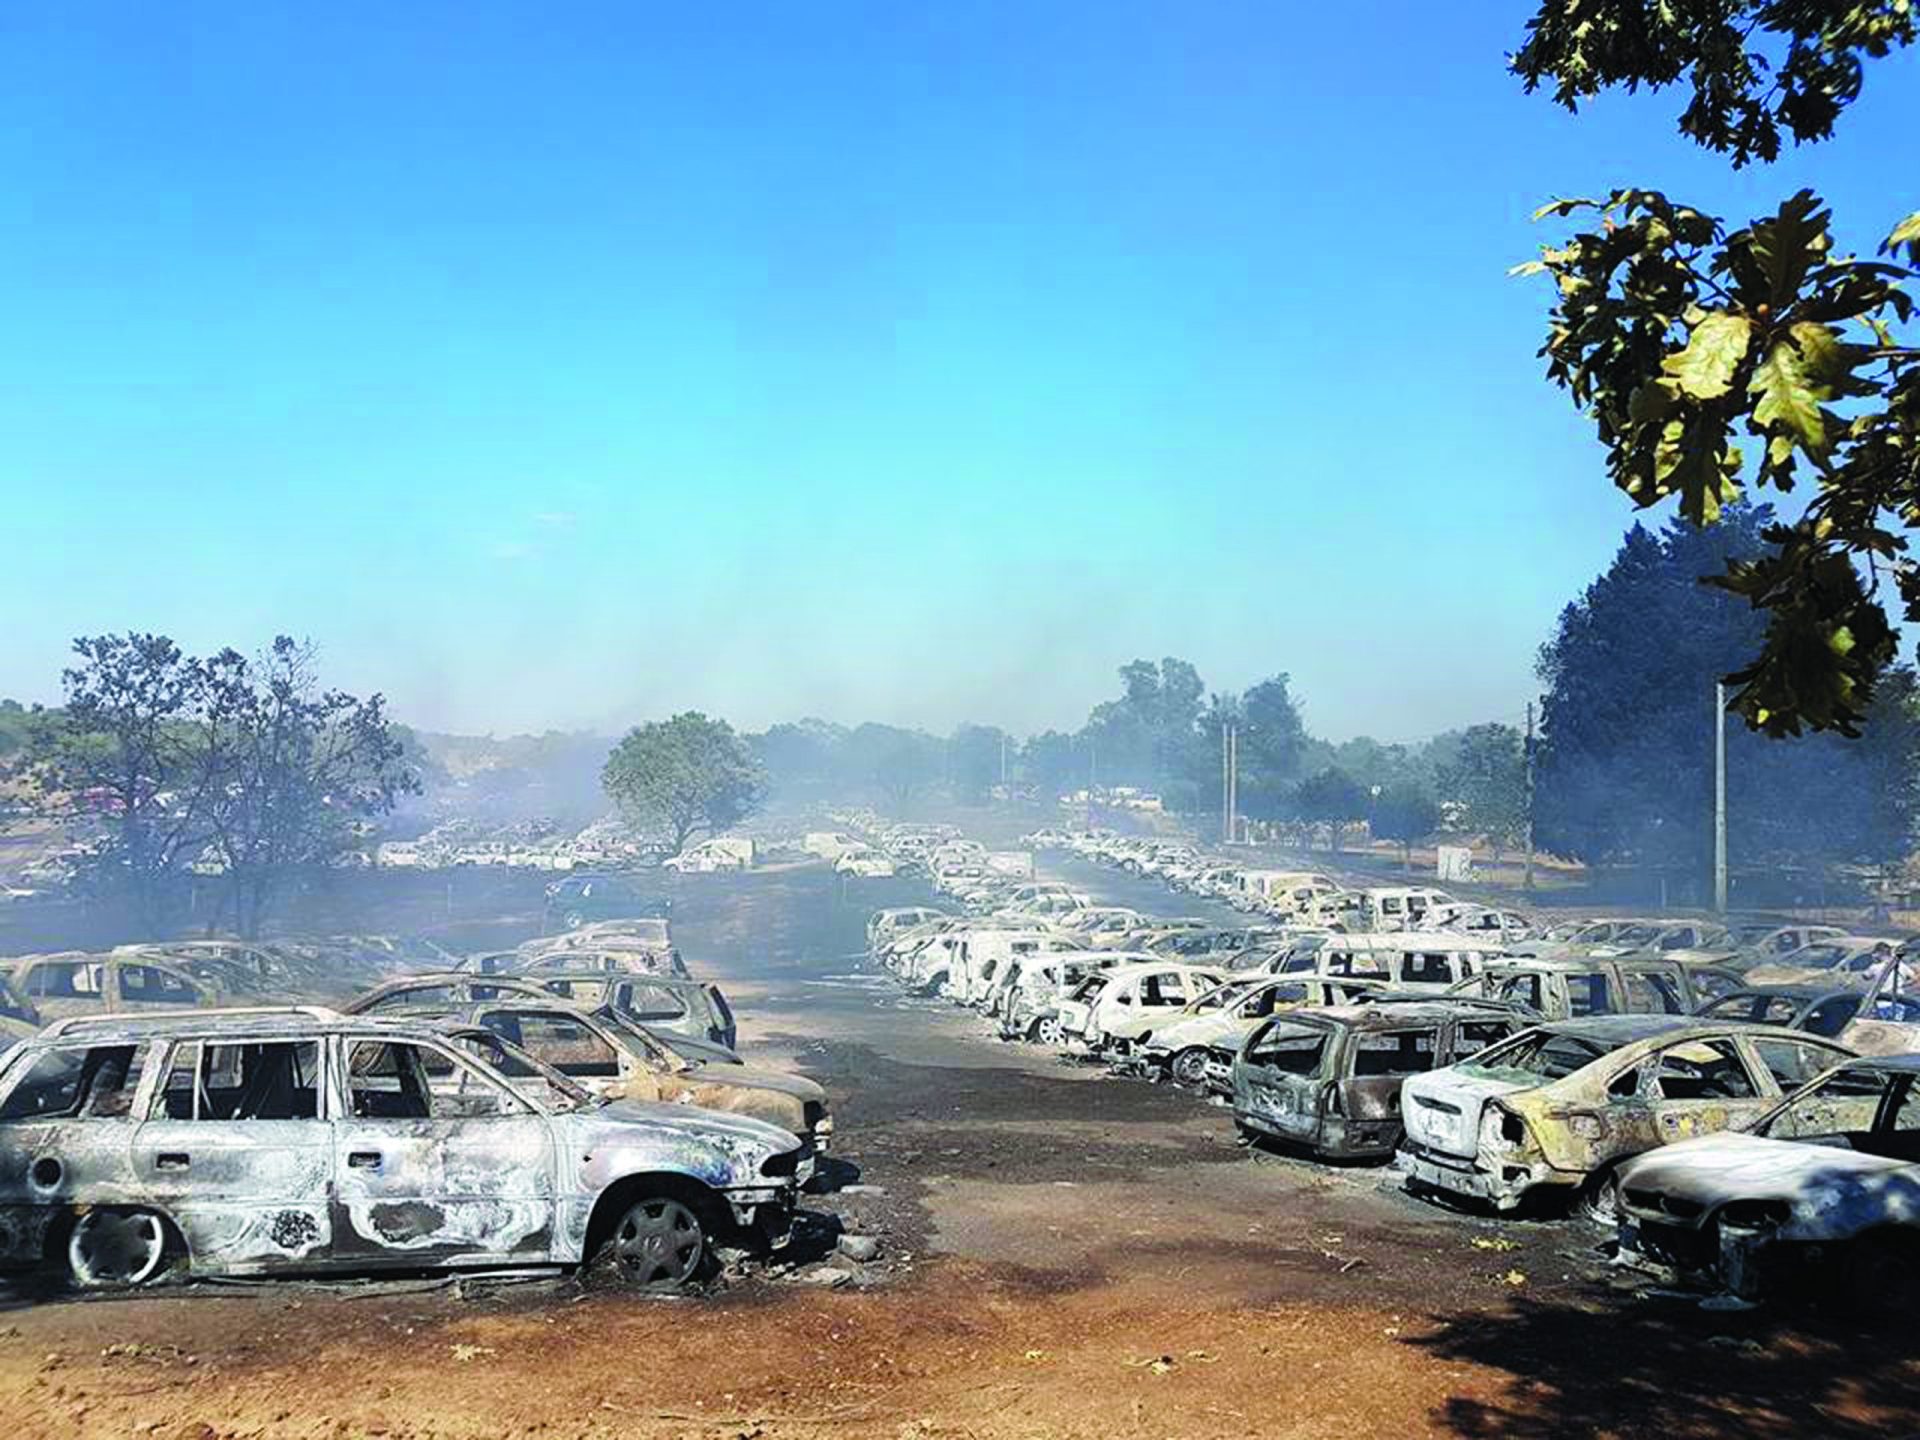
x,y
1060,1253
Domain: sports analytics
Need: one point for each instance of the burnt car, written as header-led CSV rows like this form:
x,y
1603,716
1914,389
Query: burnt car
x,y
1197,1046
63,985
1843,958
670,1009
1817,1009
451,989
1329,1080
580,899
609,1055
1888,1021
650,936
1570,985
259,1141
1554,1111
1768,939
629,961
1824,1188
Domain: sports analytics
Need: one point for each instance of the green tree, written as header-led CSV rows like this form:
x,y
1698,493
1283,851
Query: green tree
x,y
1405,814
1151,735
974,760
1272,747
684,775
1486,777
16,727
805,753
1624,768
1678,336
1050,762
121,754
288,773
1332,798
253,766
898,763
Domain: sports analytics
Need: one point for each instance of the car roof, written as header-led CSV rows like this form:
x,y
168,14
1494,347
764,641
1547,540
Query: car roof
x,y
1624,1029
1789,990
1363,1015
293,1021
1421,940
1584,961
1908,1064
1140,967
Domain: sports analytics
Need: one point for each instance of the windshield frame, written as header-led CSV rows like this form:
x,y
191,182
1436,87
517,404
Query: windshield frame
x,y
573,1096
1487,1063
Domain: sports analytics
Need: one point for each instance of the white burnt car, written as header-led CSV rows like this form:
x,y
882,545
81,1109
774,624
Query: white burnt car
x,y
225,1142
1825,1186
1118,1009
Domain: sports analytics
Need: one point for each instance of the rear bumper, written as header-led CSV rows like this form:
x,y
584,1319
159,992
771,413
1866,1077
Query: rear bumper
x,y
1331,1136
1502,1187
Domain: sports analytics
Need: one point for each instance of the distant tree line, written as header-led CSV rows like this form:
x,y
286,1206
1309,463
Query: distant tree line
x,y
1162,733
1624,771
1623,760
248,771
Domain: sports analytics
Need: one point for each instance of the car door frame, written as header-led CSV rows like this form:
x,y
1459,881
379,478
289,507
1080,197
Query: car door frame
x,y
1666,1117
1791,1036
116,970
61,1007
247,1195
395,1196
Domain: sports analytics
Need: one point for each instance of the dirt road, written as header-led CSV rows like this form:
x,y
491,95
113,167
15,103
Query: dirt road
x,y
1063,1255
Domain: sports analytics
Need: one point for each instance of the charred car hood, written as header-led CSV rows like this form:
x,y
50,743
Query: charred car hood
x,y
622,1119
1223,1031
1718,1168
756,1077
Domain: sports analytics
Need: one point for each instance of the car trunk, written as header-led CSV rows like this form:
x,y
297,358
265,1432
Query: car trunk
x,y
1442,1111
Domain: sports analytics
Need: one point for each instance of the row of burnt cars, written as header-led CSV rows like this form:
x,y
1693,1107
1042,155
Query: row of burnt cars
x,y
1745,1116
224,1108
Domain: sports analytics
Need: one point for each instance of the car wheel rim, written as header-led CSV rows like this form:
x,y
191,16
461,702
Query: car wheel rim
x,y
1190,1068
1050,1032
116,1247
658,1244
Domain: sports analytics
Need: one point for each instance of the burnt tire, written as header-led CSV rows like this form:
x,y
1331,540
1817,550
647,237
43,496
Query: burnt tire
x,y
1880,1273
111,1247
658,1244
1598,1201
1189,1067
1048,1032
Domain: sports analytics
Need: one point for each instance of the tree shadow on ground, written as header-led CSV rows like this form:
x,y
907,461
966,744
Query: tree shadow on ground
x,y
1629,1365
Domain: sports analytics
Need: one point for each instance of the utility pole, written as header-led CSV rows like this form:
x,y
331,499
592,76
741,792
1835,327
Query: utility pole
x,y
1720,797
1226,787
1093,773
1003,766
1233,782
1528,882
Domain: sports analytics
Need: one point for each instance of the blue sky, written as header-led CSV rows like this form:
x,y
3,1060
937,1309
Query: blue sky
x,y
569,365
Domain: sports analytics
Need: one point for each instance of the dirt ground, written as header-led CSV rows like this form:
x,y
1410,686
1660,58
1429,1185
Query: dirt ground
x,y
1063,1254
